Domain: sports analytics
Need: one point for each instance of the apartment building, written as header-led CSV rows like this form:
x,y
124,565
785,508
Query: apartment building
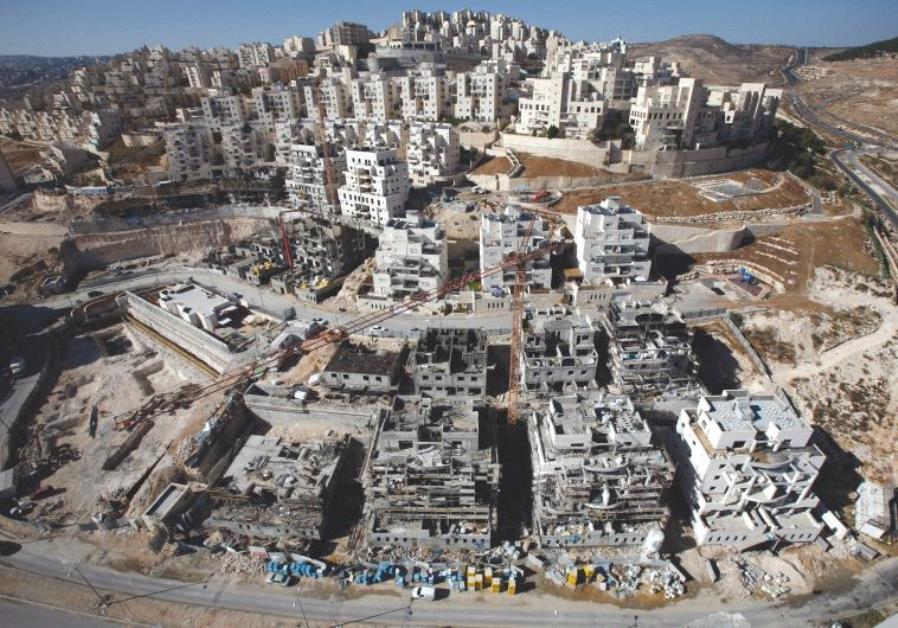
x,y
747,466
191,152
245,146
323,250
432,152
376,186
255,55
306,178
276,103
89,129
332,91
599,477
423,93
221,109
687,114
449,362
433,477
373,98
506,232
479,94
559,352
411,257
650,350
612,243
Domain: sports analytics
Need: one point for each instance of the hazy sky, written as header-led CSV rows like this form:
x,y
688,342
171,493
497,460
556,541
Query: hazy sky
x,y
71,27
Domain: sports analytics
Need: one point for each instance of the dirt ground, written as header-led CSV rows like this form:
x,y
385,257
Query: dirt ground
x,y
839,360
681,198
798,250
717,61
114,369
535,166
861,92
495,165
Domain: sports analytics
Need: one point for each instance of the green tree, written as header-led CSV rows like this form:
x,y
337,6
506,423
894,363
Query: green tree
x,y
552,132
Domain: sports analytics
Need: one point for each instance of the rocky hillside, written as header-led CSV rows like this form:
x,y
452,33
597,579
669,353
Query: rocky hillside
x,y
717,61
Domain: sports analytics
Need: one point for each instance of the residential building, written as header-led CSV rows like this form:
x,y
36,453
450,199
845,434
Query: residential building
x,y
423,93
255,55
449,363
432,153
612,243
747,466
191,152
559,352
599,477
373,98
649,350
363,369
505,233
306,178
376,186
433,478
411,257
479,94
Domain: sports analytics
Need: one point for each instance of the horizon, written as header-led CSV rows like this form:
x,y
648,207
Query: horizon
x,y
43,28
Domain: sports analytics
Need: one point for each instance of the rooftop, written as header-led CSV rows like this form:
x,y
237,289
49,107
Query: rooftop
x,y
352,358
739,410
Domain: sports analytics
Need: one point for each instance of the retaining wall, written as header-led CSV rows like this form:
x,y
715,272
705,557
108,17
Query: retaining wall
x,y
195,341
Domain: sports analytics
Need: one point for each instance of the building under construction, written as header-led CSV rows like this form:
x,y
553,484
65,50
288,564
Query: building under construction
x,y
433,476
649,350
322,252
559,351
598,477
449,362
280,490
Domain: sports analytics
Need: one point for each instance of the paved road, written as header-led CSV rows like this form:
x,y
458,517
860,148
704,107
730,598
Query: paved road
x,y
23,614
883,195
875,588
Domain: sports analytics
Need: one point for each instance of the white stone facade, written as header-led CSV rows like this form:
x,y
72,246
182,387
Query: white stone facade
x,y
432,152
376,186
411,258
747,466
501,234
612,243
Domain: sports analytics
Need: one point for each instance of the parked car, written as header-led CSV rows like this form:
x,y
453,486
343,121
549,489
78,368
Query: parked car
x,y
424,593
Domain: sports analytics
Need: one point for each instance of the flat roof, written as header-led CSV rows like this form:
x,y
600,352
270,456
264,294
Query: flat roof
x,y
351,358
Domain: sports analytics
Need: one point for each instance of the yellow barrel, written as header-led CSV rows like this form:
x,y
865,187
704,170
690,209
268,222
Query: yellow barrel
x,y
512,587
497,586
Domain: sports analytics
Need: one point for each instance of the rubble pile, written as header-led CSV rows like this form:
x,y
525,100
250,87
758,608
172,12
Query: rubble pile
x,y
754,579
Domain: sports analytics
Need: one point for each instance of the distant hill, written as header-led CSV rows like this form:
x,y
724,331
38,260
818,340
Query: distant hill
x,y
861,52
718,61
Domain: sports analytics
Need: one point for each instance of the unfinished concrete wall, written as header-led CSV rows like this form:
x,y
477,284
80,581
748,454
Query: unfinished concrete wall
x,y
579,151
195,341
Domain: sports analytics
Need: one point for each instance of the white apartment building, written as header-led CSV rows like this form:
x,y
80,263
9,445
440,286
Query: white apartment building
x,y
411,257
305,182
332,92
245,147
376,186
504,233
423,94
561,102
219,109
612,243
276,103
198,76
373,98
432,152
189,149
255,55
747,467
479,94
686,114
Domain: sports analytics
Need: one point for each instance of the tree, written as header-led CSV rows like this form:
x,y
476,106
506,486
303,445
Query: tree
x,y
552,132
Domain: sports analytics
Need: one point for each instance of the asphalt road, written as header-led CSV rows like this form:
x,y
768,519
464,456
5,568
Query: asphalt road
x,y
23,614
875,588
883,195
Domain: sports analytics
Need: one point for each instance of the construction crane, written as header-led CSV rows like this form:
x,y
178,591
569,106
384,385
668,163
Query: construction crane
x,y
166,402
517,326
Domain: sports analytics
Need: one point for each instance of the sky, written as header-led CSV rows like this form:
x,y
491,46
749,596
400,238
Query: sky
x,y
97,27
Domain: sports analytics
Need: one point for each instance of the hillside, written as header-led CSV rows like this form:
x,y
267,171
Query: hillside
x,y
717,61
863,52
21,72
